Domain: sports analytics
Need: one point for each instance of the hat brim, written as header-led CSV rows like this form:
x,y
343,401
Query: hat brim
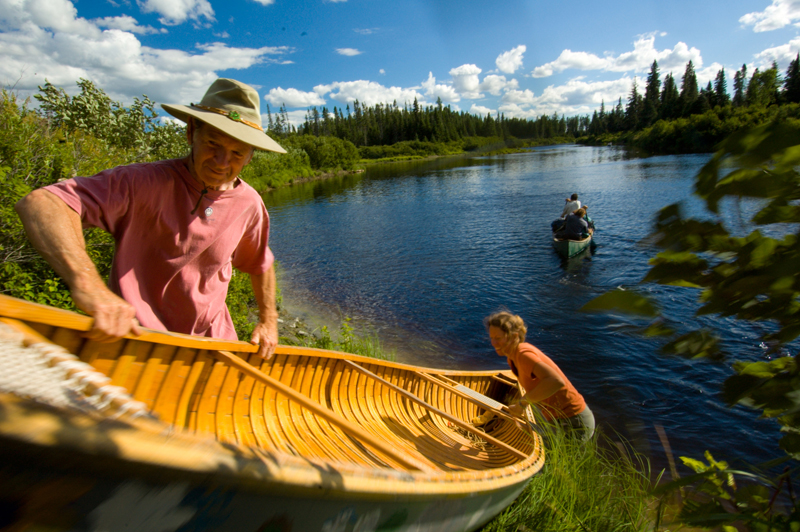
x,y
248,135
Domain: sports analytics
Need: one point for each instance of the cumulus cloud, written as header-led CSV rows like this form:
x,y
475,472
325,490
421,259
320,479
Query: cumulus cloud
x,y
265,2
293,98
480,110
574,97
782,54
434,91
368,93
494,84
776,16
175,12
45,39
466,82
348,51
126,23
638,60
511,60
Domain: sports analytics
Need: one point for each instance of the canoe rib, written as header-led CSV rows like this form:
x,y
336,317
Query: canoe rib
x,y
452,419
350,428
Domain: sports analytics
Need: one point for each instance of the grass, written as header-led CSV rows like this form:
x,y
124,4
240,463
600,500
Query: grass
x,y
598,486
348,341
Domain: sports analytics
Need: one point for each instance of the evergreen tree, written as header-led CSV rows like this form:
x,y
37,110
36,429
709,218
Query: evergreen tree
x,y
669,99
740,87
791,85
689,90
651,97
721,89
633,112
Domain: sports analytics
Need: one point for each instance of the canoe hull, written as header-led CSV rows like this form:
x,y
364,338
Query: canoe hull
x,y
230,454
73,491
570,248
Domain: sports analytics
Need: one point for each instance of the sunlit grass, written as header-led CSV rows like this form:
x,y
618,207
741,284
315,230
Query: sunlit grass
x,y
368,345
598,486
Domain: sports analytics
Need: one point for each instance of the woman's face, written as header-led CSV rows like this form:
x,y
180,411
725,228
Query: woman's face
x,y
501,341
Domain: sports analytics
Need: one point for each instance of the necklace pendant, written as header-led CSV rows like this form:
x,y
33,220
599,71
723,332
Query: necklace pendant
x,y
209,211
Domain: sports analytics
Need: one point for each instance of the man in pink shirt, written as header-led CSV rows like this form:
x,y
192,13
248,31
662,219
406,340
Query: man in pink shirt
x,y
180,227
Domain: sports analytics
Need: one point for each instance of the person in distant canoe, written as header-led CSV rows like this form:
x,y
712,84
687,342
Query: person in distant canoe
x,y
576,227
180,227
572,204
545,384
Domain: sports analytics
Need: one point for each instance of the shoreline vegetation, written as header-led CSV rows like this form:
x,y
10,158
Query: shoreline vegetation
x,y
83,134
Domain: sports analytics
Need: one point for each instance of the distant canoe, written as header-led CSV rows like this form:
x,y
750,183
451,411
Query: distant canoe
x,y
570,248
173,432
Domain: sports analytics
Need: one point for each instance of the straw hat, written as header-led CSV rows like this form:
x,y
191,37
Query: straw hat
x,y
233,108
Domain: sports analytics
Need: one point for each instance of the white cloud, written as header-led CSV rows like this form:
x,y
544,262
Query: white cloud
x,y
365,31
434,91
776,16
368,93
480,110
466,82
348,51
265,2
638,60
381,72
178,11
783,54
519,97
126,23
494,84
293,98
574,97
511,60
45,39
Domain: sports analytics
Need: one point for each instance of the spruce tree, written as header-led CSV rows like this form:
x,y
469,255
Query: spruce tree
x,y
651,97
633,112
791,85
740,87
669,99
721,89
689,90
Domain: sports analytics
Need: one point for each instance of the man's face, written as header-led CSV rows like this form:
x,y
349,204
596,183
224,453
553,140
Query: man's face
x,y
217,158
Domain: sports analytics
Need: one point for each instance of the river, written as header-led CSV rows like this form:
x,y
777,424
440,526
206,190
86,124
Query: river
x,y
420,252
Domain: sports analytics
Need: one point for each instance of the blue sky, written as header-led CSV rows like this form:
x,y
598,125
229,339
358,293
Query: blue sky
x,y
521,58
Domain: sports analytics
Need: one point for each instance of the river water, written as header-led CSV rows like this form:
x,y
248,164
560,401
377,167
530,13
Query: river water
x,y
419,253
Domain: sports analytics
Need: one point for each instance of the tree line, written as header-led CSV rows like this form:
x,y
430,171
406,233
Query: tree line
x,y
670,100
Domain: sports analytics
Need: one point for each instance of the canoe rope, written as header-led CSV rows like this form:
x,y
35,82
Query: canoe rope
x,y
48,374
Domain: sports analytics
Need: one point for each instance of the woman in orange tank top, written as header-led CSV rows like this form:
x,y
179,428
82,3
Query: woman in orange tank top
x,y
545,384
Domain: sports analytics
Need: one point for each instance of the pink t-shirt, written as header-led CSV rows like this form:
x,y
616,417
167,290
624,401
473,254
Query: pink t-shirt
x,y
173,266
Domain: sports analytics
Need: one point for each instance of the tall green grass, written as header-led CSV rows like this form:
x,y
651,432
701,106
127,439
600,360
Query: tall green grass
x,y
597,486
347,341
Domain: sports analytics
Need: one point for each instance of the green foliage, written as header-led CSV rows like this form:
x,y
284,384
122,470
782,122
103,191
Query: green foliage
x,y
326,153
269,170
349,342
582,487
753,277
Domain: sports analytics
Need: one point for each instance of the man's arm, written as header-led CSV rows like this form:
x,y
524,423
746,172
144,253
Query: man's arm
x,y
55,230
265,335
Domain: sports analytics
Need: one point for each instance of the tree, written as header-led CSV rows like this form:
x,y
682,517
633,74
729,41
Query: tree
x,y
750,277
633,111
791,85
689,90
651,96
721,89
670,99
740,87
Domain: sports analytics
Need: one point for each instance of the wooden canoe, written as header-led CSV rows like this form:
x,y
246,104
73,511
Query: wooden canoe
x,y
197,434
569,248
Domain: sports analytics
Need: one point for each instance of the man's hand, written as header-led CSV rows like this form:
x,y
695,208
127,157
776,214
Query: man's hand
x,y
113,316
265,336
